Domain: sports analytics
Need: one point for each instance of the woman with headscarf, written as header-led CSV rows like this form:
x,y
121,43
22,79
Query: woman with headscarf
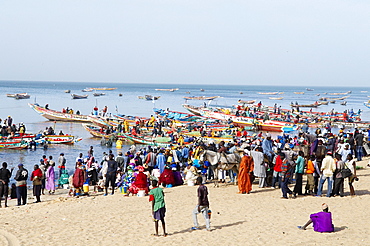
x,y
140,183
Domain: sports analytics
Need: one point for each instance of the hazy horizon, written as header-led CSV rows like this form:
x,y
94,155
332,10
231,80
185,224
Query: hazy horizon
x,y
290,43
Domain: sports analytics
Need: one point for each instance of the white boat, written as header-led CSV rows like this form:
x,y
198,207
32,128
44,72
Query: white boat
x,y
171,90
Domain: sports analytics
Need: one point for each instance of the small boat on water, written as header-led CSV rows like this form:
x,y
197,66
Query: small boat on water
x,y
241,92
120,95
61,139
150,97
96,131
75,96
98,94
87,90
171,90
246,102
276,98
103,89
332,101
67,91
201,89
188,92
340,93
22,96
312,105
268,93
159,141
201,98
367,104
363,91
309,89
13,145
59,116
324,102
344,103
299,92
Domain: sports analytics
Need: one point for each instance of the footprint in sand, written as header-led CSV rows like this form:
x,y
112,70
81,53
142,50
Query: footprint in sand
x,y
6,238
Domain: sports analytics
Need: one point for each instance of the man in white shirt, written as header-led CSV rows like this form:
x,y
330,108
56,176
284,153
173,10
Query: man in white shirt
x,y
327,169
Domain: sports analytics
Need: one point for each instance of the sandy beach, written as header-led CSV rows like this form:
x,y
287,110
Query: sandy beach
x,y
260,218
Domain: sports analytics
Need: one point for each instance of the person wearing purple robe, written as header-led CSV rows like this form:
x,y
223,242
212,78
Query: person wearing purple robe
x,y
50,178
321,222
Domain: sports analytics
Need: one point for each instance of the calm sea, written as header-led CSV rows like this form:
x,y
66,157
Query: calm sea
x,y
52,93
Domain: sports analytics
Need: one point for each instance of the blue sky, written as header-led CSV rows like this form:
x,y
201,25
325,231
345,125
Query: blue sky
x,y
258,42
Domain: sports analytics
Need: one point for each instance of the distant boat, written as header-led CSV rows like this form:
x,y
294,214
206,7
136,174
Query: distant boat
x,y
120,95
318,95
188,92
87,90
150,97
22,96
332,101
342,93
309,89
313,105
268,93
67,91
344,103
201,89
367,104
75,96
102,89
363,91
276,98
98,94
15,94
241,92
299,93
247,102
324,102
201,98
171,90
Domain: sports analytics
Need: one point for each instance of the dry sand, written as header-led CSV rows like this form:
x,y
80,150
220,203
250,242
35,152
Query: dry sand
x,y
261,218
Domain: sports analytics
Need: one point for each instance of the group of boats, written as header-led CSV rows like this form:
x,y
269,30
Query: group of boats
x,y
19,95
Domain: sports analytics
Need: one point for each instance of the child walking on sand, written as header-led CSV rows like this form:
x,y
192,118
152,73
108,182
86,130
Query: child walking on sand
x,y
156,196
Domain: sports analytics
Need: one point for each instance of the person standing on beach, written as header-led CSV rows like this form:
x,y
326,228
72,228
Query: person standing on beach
x,y
299,170
328,167
202,206
36,177
111,174
161,161
78,178
90,152
61,164
286,173
21,184
5,175
50,176
245,170
156,196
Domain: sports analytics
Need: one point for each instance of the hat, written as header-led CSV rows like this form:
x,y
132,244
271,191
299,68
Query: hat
x,y
140,168
20,165
61,153
329,153
268,135
324,206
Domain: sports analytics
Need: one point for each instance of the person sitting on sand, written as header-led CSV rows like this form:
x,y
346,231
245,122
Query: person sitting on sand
x,y
322,221
140,183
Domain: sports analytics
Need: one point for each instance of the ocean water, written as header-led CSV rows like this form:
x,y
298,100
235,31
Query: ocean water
x,y
52,93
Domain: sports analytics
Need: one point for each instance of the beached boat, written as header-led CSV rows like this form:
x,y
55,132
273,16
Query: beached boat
x,y
13,145
171,90
61,139
75,96
299,92
180,116
268,93
59,116
22,96
193,109
276,98
201,98
246,102
67,91
96,131
98,94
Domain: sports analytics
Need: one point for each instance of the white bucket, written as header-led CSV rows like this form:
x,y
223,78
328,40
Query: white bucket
x,y
190,182
141,193
66,186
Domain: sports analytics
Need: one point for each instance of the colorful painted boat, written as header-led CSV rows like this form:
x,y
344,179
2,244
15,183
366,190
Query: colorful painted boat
x,y
103,89
59,116
61,139
367,104
268,93
276,98
202,98
95,131
13,145
246,102
160,142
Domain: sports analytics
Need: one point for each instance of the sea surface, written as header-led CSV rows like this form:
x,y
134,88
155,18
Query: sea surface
x,y
52,93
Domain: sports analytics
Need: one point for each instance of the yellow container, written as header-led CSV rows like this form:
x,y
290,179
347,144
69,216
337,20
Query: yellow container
x,y
86,188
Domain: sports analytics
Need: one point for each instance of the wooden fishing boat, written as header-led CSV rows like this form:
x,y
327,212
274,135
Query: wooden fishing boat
x,y
61,139
268,93
59,116
150,97
342,93
17,137
75,96
201,98
95,131
333,98
67,91
159,141
15,94
299,92
312,105
332,101
87,90
276,98
324,102
98,94
103,89
13,145
180,116
22,96
367,104
171,90
309,89
344,103
201,89
363,91
193,109
246,102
